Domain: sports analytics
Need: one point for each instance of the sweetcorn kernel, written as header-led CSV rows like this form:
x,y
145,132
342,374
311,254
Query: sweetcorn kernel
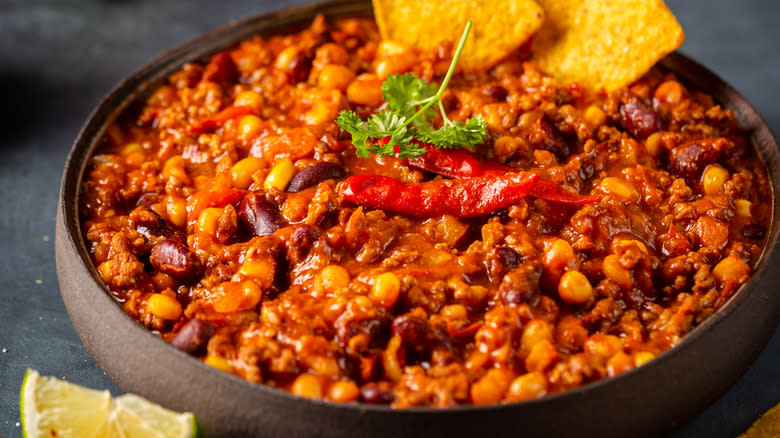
x,y
603,345
249,127
176,211
207,220
321,112
174,167
743,207
389,48
535,331
336,77
653,144
575,288
643,357
241,172
619,188
542,355
473,295
250,98
164,307
252,294
334,277
713,179
385,290
280,175
307,385
343,391
131,148
528,386
261,269
559,254
361,302
619,364
492,387
285,58
669,92
595,116
366,89
454,311
219,363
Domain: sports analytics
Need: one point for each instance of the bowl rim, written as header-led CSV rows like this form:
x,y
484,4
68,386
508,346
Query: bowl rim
x,y
147,77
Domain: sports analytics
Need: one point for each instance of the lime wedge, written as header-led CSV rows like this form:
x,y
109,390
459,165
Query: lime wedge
x,y
51,407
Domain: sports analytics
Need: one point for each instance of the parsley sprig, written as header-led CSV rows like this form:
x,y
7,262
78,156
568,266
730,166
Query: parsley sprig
x,y
409,115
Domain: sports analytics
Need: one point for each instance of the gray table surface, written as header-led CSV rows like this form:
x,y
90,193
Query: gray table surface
x,y
57,59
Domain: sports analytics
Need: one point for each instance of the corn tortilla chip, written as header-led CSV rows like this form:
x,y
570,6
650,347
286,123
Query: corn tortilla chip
x,y
767,426
499,26
604,43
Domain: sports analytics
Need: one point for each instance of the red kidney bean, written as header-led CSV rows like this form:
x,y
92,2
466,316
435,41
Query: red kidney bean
x,y
150,225
509,258
637,118
300,66
495,92
376,328
351,365
543,135
754,232
689,159
375,394
192,336
301,240
414,331
176,260
500,261
520,285
313,175
221,69
258,215
304,237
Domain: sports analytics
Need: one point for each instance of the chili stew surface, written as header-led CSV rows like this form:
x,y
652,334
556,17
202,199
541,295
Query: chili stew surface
x,y
215,212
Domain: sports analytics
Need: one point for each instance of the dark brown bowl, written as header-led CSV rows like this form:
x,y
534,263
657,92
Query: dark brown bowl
x,y
643,402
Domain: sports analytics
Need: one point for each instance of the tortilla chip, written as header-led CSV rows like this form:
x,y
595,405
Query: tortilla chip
x,y
767,426
602,43
499,26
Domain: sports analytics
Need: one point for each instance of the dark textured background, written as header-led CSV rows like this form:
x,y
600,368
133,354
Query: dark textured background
x,y
57,59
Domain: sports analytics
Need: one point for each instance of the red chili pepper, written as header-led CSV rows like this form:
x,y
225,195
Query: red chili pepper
x,y
384,141
457,163
463,164
456,197
549,191
211,124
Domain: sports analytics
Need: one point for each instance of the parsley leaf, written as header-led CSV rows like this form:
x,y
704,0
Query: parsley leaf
x,y
350,122
384,124
455,134
404,93
409,115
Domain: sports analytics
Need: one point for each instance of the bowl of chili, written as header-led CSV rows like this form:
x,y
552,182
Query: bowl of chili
x,y
145,335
